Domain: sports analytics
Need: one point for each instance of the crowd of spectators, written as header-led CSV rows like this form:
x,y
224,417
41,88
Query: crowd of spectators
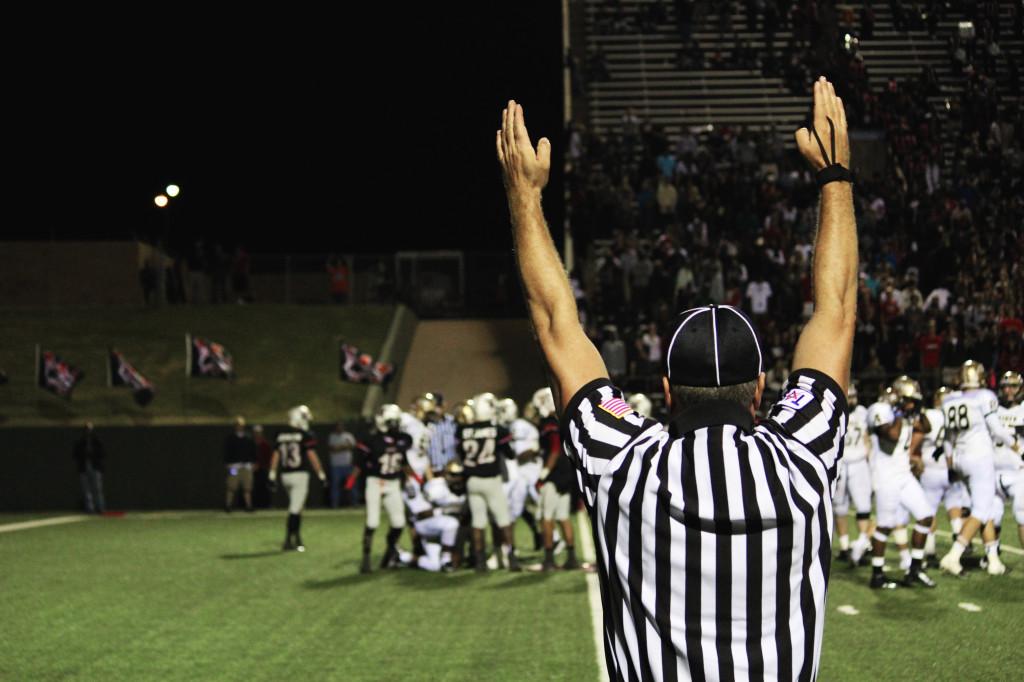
x,y
728,215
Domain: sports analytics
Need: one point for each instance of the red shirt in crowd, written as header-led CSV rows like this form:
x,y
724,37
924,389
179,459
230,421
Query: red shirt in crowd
x,y
930,347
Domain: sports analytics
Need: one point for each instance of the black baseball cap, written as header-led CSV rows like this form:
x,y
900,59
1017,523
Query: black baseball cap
x,y
713,345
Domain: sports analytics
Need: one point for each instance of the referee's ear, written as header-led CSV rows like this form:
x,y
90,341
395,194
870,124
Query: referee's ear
x,y
758,392
668,393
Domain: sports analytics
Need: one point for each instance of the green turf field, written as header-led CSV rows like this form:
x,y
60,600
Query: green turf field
x,y
275,349
205,596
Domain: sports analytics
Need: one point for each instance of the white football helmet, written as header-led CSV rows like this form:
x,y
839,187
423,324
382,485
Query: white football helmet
x,y
507,411
544,401
641,404
485,406
388,417
299,417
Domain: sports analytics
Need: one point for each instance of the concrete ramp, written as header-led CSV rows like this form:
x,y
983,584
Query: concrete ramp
x,y
461,358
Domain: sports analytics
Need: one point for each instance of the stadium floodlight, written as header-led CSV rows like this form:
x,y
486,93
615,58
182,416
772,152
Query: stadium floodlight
x,y
160,200
173,191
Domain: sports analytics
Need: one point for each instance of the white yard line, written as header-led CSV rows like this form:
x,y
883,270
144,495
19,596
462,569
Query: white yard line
x,y
39,523
1003,546
593,592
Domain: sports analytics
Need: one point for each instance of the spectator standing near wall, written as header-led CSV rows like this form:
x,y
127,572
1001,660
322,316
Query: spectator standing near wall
x,y
239,457
337,271
261,470
341,443
89,455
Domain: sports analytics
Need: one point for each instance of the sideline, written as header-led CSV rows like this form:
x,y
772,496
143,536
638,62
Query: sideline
x,y
39,523
586,542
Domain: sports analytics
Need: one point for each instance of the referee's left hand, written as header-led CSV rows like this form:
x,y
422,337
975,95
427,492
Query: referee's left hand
x,y
523,167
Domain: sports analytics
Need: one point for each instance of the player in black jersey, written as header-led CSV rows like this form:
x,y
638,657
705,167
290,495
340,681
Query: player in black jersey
x,y
382,459
295,453
482,446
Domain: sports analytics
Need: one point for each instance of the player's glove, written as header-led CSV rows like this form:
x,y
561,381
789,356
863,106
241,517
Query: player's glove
x,y
323,479
350,482
272,481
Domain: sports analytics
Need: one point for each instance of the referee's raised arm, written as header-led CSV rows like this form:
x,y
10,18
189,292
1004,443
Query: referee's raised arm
x,y
572,358
826,343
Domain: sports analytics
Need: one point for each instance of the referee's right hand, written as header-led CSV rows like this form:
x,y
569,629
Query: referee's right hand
x,y
827,106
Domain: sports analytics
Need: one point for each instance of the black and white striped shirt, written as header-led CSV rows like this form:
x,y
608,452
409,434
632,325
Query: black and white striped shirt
x,y
441,442
713,536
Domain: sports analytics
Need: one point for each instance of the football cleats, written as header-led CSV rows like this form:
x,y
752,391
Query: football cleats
x,y
507,411
640,404
299,417
1011,388
544,402
388,417
972,374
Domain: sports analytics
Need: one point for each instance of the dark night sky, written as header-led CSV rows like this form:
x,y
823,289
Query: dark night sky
x,y
369,131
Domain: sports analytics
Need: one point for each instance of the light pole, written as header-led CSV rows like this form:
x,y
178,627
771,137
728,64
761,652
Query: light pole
x,y
162,202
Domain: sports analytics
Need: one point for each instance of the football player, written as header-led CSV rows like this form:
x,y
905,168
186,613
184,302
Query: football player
x,y
897,437
295,454
853,481
525,443
434,510
1009,466
382,459
556,481
412,424
482,444
939,480
973,427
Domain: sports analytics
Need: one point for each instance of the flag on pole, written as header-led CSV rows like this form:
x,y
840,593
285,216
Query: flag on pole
x,y
55,375
207,358
360,367
120,372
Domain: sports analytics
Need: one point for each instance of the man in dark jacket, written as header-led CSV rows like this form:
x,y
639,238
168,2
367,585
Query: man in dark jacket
x,y
89,454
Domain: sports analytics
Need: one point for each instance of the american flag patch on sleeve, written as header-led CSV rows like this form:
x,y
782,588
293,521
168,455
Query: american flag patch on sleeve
x,y
616,407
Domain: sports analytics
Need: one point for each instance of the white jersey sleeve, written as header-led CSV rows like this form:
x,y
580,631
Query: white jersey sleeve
x,y
525,436
414,499
932,450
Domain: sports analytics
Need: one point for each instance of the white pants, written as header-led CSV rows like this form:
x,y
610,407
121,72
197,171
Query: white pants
x,y
441,528
296,484
530,473
553,504
935,483
1011,488
486,494
980,471
432,559
853,482
386,492
515,491
896,496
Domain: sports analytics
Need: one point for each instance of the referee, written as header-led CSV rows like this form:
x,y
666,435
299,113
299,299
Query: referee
x,y
713,535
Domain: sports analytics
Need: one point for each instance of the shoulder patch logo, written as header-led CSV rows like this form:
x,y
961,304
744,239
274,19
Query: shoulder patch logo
x,y
796,399
616,407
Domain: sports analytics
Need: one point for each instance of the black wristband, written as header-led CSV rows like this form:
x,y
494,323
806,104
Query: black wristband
x,y
834,173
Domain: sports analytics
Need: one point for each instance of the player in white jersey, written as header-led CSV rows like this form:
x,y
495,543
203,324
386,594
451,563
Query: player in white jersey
x,y
524,469
898,433
417,454
972,427
434,511
853,481
1009,466
939,480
